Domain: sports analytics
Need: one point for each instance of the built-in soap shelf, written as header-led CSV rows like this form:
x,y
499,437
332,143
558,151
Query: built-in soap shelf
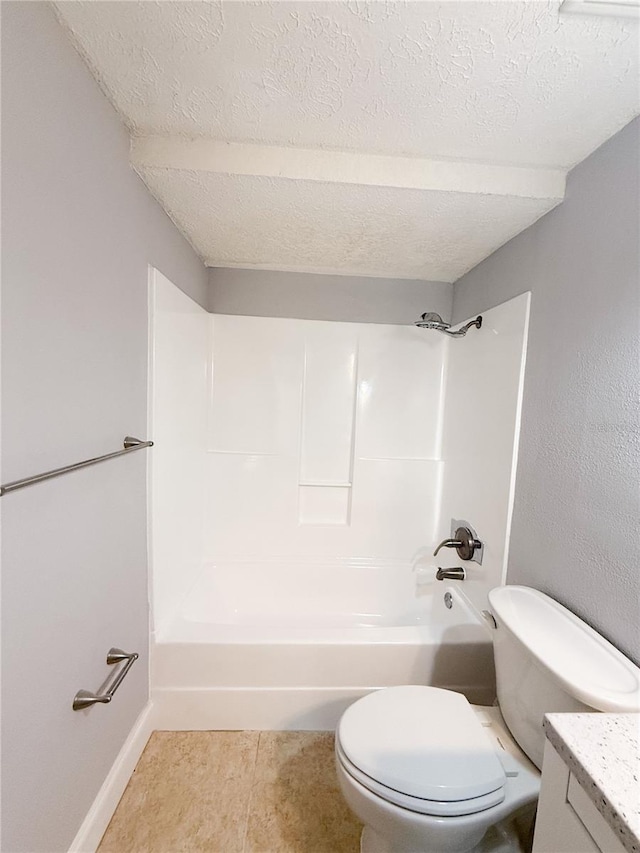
x,y
324,503
227,452
325,484
327,443
399,459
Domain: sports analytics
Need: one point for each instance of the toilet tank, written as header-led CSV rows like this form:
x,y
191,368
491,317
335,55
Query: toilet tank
x,y
547,659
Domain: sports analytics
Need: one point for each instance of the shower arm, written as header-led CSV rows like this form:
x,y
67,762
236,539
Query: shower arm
x,y
459,333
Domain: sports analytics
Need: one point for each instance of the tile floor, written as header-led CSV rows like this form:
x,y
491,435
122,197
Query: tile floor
x,y
234,792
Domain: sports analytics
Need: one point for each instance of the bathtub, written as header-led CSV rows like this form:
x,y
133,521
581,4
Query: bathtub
x,y
286,644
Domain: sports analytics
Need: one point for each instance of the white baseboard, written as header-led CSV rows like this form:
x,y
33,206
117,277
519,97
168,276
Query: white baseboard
x,y
98,817
252,708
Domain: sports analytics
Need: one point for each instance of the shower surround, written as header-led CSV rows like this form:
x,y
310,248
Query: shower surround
x,y
302,474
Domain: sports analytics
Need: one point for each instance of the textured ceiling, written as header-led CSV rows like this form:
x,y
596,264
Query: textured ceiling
x,y
254,221
508,83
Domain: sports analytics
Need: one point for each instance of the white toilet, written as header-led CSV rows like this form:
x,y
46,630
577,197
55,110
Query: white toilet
x,y
427,772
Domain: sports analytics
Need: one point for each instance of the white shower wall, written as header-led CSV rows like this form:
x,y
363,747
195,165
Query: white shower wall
x,y
310,440
178,370
481,427
323,439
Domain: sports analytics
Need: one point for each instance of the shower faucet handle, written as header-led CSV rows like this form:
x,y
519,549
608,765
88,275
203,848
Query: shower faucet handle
x,y
465,543
448,543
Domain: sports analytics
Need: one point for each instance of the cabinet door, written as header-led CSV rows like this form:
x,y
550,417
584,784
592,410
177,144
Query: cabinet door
x,y
558,828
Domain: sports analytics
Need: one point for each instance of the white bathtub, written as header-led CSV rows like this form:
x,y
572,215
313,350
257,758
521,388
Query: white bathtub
x,y
289,594
285,644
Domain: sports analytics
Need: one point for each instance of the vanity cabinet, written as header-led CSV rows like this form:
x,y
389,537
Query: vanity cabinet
x,y
567,820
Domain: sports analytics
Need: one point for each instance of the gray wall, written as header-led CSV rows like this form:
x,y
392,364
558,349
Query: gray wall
x,y
576,522
306,296
79,229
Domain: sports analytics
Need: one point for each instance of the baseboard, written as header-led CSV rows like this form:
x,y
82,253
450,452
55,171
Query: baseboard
x,y
254,708
98,817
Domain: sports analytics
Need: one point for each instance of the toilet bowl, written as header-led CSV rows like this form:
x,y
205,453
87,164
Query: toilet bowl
x,y
427,772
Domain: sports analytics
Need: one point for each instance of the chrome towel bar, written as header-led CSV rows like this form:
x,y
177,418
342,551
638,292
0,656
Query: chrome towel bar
x,y
84,699
130,444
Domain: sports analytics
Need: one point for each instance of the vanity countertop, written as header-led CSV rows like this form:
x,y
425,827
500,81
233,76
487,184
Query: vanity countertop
x,y
603,753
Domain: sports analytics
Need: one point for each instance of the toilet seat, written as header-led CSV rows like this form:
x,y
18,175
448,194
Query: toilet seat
x,y
437,808
421,748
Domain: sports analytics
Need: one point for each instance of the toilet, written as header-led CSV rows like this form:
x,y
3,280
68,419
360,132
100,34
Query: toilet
x,y
427,772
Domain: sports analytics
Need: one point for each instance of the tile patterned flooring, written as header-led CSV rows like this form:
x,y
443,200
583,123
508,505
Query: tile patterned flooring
x,y
234,792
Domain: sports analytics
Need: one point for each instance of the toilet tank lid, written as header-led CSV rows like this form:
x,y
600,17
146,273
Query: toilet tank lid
x,y
587,666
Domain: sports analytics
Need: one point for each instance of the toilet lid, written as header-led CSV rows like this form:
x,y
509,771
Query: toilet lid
x,y
421,741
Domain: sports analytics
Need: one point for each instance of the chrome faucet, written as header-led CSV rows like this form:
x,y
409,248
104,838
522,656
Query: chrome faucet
x,y
456,574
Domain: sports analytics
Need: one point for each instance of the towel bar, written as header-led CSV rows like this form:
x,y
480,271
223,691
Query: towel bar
x,y
130,444
84,698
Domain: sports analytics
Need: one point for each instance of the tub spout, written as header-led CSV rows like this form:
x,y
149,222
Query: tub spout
x,y
456,574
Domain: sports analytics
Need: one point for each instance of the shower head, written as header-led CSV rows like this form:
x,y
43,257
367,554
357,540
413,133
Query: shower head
x,y
431,320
